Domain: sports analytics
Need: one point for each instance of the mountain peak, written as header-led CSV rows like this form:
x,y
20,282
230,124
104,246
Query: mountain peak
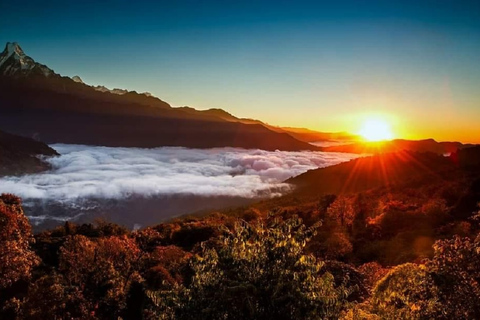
x,y
77,79
15,63
13,48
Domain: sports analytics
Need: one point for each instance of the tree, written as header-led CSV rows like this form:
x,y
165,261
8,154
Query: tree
x,y
341,211
336,246
104,270
361,212
456,269
166,265
16,257
258,272
64,301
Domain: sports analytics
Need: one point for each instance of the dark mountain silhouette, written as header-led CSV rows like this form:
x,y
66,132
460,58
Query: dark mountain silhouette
x,y
467,158
308,135
428,145
19,155
301,134
386,170
35,101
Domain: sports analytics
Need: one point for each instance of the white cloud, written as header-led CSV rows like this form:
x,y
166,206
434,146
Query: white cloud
x,y
83,172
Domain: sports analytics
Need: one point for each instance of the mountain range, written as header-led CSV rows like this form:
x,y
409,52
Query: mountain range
x,y
37,102
427,145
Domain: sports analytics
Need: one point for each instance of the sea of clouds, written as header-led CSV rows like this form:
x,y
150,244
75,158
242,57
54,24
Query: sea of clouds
x,y
82,172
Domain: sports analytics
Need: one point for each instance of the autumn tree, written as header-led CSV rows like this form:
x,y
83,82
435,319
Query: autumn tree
x,y
64,301
341,211
336,246
456,270
103,269
165,266
16,257
361,212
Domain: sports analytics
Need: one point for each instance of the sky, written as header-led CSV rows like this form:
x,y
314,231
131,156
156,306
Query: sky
x,y
327,66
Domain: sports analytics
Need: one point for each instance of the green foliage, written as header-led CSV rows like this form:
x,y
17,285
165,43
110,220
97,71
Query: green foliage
x,y
407,292
258,272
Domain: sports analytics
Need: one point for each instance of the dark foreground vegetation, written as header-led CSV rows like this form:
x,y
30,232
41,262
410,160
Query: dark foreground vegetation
x,y
407,250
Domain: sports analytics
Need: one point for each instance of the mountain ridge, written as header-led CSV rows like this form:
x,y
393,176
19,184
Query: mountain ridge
x,y
33,93
385,170
395,145
61,110
14,62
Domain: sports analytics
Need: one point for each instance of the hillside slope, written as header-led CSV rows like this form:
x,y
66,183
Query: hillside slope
x,y
19,155
380,170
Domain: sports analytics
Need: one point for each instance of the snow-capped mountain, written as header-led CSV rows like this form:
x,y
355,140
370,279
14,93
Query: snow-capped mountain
x,y
14,62
37,102
105,89
118,90
77,79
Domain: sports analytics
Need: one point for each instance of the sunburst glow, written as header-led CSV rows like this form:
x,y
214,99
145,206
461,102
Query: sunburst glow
x,y
376,129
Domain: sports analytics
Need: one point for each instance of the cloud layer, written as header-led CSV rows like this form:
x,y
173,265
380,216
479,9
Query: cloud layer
x,y
83,172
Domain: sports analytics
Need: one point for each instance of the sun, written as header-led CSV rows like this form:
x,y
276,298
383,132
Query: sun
x,y
376,129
